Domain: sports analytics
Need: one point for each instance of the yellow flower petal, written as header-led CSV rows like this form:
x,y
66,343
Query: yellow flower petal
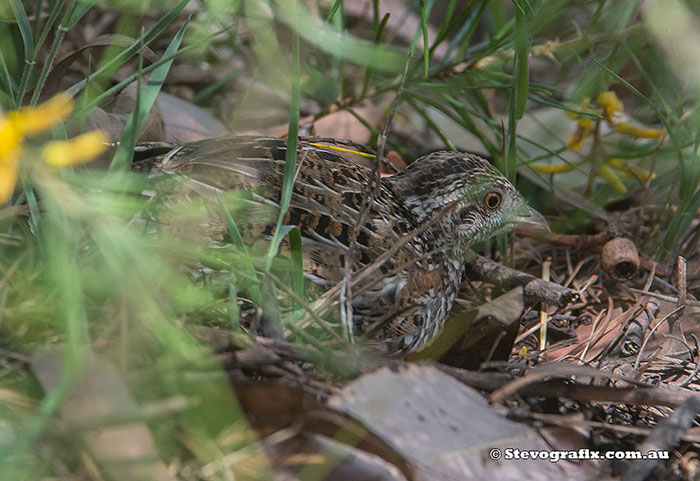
x,y
8,177
582,107
612,106
608,174
10,138
583,128
78,150
636,172
635,131
34,120
552,168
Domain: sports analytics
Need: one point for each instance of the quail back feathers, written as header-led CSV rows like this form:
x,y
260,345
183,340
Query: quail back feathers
x,y
425,216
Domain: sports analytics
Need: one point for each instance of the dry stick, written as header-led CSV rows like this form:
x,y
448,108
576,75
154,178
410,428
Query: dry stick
x,y
675,324
638,325
574,272
631,339
590,337
602,332
666,298
664,437
328,298
370,193
604,326
651,333
697,364
546,266
556,370
650,396
569,267
535,289
570,422
639,394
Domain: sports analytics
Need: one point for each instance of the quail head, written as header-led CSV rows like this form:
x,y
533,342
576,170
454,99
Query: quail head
x,y
415,234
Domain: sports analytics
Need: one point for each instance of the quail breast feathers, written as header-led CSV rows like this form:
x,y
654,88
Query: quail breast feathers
x,y
425,217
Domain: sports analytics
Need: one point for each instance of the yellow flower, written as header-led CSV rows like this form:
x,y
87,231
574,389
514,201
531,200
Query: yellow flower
x,y
636,172
581,107
8,176
78,150
584,125
35,120
613,179
28,121
583,129
628,129
552,168
612,106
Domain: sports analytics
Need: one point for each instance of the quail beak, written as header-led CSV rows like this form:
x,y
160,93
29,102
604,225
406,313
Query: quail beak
x,y
529,220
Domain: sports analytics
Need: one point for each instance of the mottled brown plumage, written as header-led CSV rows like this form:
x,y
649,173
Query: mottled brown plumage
x,y
433,211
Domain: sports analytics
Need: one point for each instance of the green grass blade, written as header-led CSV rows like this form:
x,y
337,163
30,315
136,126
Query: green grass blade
x,y
522,75
297,266
25,29
445,25
53,51
338,19
7,83
329,39
21,91
680,222
334,8
467,28
379,30
247,265
426,42
205,94
88,105
145,100
146,39
431,124
290,161
518,94
79,9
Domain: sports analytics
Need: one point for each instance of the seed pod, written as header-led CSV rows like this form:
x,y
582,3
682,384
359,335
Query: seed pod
x,y
620,258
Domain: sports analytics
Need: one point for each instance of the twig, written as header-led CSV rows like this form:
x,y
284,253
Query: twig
x,y
546,266
370,192
536,290
663,297
651,333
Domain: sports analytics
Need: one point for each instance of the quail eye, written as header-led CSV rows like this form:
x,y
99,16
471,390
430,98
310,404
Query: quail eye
x,y
493,200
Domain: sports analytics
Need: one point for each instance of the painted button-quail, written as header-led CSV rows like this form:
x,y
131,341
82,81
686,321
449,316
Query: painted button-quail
x,y
427,216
